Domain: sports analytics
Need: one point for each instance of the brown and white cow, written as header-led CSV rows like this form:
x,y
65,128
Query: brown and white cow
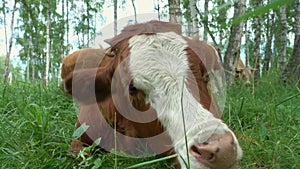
x,y
147,92
244,72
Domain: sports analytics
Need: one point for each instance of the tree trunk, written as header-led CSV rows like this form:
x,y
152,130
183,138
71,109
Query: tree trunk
x,y
134,10
48,44
29,54
205,21
292,70
269,34
222,18
67,26
10,43
232,53
88,22
175,11
246,44
115,17
157,8
62,35
194,18
284,28
274,59
257,40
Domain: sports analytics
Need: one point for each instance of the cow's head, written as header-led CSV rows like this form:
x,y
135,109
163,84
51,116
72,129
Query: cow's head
x,y
244,72
159,66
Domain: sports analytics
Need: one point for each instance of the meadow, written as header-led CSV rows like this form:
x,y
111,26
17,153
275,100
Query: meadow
x,y
37,125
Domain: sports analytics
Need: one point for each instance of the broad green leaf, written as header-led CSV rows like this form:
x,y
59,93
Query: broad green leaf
x,y
80,130
261,10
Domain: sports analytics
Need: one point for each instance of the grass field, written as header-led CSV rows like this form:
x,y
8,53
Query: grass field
x,y
37,126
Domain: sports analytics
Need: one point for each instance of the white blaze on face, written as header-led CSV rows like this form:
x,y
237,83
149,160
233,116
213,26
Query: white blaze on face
x,y
158,65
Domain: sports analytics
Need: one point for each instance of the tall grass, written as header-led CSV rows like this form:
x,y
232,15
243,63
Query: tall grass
x,y
37,125
266,118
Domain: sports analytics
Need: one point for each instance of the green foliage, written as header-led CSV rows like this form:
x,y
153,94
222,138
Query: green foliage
x,y
275,4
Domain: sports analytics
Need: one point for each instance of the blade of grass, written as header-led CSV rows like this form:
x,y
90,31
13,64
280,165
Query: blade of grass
x,y
184,128
115,139
152,161
287,99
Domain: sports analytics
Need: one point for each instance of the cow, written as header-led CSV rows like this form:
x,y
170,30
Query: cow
x,y
244,72
149,91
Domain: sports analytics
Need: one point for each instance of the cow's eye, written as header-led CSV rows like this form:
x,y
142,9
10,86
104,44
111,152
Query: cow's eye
x,y
132,89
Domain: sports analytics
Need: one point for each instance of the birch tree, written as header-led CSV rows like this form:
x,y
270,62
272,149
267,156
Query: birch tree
x,y
269,36
292,70
282,56
246,44
115,17
134,10
205,21
194,18
257,39
232,53
48,43
10,42
174,11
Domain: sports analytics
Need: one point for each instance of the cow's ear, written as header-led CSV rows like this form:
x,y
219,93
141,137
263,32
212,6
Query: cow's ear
x,y
82,59
89,85
253,70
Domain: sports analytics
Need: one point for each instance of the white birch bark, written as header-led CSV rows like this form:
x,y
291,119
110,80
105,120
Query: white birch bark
x,y
48,45
115,17
134,10
10,43
257,40
194,18
174,11
282,57
232,53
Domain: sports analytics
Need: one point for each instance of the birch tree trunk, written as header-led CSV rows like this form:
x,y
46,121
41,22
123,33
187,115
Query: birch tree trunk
x,y
8,52
134,10
157,8
246,44
205,20
257,40
292,70
67,26
282,56
48,44
28,54
269,34
62,36
88,21
115,17
232,53
194,18
174,11
274,59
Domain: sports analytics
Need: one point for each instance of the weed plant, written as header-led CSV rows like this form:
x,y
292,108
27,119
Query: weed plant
x,y
37,126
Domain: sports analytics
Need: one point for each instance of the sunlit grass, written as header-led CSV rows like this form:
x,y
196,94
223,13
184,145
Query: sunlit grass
x,y
37,125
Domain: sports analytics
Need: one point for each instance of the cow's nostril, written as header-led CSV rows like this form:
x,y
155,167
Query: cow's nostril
x,y
205,143
202,152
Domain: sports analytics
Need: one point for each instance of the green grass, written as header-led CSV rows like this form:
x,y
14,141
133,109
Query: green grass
x,y
37,125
